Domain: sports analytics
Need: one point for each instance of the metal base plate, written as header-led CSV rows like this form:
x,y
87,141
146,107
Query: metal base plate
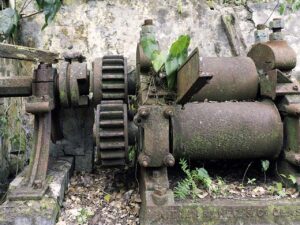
x,y
225,212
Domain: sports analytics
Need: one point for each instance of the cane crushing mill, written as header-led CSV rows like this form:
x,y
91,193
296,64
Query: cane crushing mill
x,y
244,107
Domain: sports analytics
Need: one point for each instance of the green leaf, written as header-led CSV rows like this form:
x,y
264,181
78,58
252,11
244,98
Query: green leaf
x,y
282,8
177,56
265,165
293,179
107,198
9,20
296,5
180,46
171,66
40,4
50,8
159,59
149,45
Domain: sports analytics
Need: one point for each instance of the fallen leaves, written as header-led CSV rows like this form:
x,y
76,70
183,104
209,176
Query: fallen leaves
x,y
106,197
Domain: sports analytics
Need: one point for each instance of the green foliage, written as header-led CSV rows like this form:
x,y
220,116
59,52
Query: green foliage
x,y
289,177
83,216
177,55
265,165
251,181
188,186
172,61
292,179
294,5
9,19
278,189
50,8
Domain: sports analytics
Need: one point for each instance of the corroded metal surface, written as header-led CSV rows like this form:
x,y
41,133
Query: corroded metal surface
x,y
15,86
273,55
111,133
73,84
40,104
110,79
234,78
229,130
153,136
190,79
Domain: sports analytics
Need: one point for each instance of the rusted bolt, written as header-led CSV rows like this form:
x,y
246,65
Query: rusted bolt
x,y
144,160
144,112
295,88
168,112
169,160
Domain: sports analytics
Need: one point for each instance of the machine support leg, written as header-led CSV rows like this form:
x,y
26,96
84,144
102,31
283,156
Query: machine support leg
x,y
40,104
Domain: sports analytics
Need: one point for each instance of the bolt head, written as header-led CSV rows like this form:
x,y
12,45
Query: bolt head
x,y
277,23
144,112
169,112
169,160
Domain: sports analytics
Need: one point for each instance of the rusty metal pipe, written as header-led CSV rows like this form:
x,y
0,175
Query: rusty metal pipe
x,y
234,78
228,130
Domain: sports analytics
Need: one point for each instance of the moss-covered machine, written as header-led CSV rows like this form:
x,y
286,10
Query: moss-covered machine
x,y
223,108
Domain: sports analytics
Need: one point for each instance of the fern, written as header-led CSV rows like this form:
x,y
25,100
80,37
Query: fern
x,y
188,186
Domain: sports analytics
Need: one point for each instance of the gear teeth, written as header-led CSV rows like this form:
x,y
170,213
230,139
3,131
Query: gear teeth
x,y
112,134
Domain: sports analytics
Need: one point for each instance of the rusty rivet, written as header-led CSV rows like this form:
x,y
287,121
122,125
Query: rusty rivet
x,y
144,160
169,160
168,112
295,88
144,112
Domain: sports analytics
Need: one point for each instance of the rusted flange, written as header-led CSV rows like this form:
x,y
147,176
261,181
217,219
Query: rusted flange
x,y
73,84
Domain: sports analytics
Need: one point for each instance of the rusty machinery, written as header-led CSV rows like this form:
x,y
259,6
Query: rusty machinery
x,y
223,108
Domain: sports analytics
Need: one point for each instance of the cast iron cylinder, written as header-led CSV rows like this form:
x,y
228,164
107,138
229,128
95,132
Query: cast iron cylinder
x,y
234,78
273,55
227,130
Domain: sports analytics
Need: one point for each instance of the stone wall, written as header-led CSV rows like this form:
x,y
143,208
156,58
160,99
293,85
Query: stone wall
x,y
96,28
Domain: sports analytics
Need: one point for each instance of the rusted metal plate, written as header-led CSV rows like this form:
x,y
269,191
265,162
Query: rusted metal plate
x,y
234,78
225,212
268,84
287,88
26,53
190,78
15,86
273,55
154,131
227,130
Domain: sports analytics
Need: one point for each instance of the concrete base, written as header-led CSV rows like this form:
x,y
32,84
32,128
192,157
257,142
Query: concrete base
x,y
46,210
224,212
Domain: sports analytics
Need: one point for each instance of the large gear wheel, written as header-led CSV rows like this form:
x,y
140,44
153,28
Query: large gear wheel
x,y
111,132
110,79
